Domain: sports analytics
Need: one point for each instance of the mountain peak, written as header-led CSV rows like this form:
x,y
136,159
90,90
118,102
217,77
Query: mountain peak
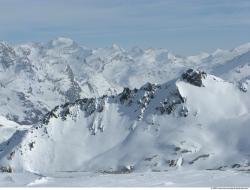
x,y
62,42
242,48
116,47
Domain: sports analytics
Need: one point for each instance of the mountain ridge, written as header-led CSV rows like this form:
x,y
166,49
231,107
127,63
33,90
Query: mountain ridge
x,y
35,77
157,127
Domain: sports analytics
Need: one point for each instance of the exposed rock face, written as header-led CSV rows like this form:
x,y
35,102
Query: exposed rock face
x,y
194,77
184,111
171,103
73,93
168,106
7,55
88,105
6,169
34,114
125,95
243,86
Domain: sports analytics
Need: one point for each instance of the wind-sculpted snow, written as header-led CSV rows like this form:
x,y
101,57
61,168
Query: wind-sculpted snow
x,y
156,128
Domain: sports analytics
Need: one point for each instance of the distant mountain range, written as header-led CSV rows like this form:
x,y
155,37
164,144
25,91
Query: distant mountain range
x,y
72,108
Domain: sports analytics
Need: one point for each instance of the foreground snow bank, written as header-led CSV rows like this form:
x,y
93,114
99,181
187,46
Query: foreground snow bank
x,y
177,178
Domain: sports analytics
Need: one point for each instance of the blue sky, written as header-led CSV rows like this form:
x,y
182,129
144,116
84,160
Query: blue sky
x,y
182,26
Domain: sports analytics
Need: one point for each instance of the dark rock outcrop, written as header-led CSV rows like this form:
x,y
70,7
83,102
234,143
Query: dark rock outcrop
x,y
194,77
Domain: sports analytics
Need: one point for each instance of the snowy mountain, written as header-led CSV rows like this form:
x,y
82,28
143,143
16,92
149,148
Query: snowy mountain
x,y
194,121
65,107
36,77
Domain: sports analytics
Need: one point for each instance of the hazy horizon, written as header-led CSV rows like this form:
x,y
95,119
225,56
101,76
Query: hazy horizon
x,y
183,27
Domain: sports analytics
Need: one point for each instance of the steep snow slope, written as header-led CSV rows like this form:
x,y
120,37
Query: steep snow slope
x,y
237,69
231,65
7,128
198,121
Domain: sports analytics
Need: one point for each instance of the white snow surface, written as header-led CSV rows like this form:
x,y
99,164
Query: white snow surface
x,y
179,178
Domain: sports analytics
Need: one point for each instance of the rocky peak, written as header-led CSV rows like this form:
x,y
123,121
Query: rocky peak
x,y
194,77
62,42
7,55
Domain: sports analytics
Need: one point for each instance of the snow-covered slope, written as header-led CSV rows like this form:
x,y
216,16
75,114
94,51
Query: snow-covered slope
x,y
194,121
34,78
8,128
